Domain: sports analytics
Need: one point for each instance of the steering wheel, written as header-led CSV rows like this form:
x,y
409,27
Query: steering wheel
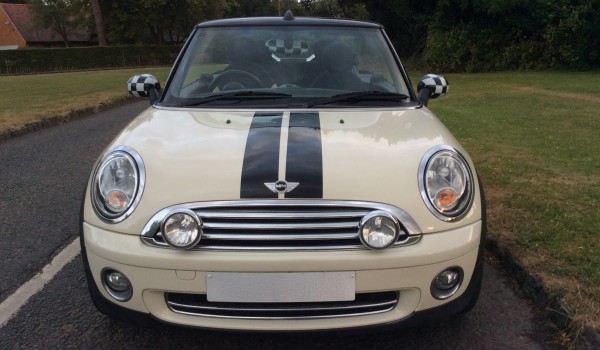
x,y
234,80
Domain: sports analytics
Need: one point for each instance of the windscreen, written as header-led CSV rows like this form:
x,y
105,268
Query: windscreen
x,y
293,65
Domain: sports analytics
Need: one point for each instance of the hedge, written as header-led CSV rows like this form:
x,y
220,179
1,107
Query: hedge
x,y
26,61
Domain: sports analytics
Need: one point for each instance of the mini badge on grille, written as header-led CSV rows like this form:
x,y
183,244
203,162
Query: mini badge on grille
x,y
281,186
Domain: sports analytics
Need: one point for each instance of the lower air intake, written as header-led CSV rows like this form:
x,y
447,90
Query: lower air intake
x,y
364,304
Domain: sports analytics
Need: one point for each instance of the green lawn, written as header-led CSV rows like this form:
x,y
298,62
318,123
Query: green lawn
x,y
534,138
29,98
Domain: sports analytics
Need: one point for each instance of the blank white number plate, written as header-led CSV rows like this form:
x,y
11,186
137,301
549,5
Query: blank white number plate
x,y
279,287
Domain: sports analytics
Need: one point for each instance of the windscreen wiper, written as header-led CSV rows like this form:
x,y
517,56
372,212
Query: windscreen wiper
x,y
358,96
237,95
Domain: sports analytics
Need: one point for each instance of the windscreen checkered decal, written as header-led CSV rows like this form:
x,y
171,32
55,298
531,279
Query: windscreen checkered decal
x,y
138,85
278,46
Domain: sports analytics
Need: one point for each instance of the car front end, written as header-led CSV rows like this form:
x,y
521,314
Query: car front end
x,y
300,196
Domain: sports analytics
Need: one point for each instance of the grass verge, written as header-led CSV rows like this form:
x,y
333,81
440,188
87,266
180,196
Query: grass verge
x,y
28,99
534,139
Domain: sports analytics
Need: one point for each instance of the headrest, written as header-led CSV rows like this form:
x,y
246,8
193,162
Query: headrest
x,y
246,49
339,57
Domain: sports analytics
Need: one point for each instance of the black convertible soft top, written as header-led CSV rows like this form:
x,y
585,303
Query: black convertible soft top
x,y
287,21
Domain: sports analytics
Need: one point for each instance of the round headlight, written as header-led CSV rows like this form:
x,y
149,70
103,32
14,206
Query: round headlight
x,y
379,230
117,184
182,229
446,183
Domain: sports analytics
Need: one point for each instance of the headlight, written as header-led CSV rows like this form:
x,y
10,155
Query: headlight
x,y
446,183
182,229
117,184
379,230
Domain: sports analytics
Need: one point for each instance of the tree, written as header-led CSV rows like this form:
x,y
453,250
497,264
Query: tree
x,y
61,16
327,8
97,11
354,9
478,35
253,8
158,21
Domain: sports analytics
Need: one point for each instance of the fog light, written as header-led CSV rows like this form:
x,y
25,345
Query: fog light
x,y
182,229
379,230
117,284
446,283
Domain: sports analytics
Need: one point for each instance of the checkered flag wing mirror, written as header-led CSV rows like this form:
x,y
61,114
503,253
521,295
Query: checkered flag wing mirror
x,y
436,84
140,85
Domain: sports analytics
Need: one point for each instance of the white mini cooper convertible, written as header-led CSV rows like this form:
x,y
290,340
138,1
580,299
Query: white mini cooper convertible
x,y
287,177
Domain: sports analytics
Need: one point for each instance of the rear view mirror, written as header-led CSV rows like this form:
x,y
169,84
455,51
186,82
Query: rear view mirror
x,y
144,86
431,86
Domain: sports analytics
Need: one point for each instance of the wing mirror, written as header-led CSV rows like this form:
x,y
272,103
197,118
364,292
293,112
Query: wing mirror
x,y
144,86
431,86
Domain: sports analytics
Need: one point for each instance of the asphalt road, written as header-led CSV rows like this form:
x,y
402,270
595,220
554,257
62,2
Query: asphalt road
x,y
42,180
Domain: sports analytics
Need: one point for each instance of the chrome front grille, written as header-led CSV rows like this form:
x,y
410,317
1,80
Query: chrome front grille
x,y
281,225
364,304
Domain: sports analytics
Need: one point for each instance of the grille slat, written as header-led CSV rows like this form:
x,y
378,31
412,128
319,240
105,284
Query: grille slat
x,y
364,304
279,237
236,214
268,226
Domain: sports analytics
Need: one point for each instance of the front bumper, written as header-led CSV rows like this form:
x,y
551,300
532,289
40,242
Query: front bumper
x,y
407,270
